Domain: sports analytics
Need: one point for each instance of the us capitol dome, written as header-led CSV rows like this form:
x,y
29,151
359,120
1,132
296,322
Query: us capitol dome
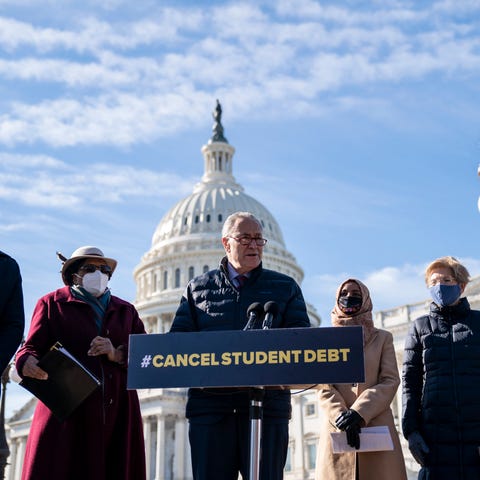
x,y
187,241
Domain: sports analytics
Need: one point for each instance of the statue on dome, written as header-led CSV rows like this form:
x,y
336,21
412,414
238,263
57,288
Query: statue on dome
x,y
217,113
217,126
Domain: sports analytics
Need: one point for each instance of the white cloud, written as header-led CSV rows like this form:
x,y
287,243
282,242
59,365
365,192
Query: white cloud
x,y
16,161
122,119
91,34
453,6
68,73
385,12
14,227
394,286
40,181
135,81
472,264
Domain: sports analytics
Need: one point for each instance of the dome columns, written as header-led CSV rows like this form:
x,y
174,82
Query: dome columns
x,y
218,162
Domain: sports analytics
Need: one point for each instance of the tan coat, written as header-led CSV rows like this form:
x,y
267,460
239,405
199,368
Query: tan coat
x,y
372,401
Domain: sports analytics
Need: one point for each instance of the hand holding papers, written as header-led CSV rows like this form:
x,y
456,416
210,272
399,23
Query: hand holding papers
x,y
372,439
350,421
68,384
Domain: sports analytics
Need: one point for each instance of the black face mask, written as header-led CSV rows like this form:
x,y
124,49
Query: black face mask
x,y
350,304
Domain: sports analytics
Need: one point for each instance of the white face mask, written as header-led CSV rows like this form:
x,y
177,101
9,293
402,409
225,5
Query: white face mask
x,y
95,283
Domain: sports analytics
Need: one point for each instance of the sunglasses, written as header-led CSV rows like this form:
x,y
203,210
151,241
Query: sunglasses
x,y
90,268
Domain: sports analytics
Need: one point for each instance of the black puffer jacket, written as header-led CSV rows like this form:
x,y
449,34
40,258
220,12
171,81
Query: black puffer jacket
x,y
211,302
441,390
12,317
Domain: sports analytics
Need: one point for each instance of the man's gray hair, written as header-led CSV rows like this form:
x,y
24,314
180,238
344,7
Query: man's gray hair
x,y
231,219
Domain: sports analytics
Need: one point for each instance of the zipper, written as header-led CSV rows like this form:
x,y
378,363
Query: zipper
x,y
455,395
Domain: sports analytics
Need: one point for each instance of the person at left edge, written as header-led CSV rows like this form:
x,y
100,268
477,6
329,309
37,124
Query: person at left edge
x,y
103,438
12,317
218,418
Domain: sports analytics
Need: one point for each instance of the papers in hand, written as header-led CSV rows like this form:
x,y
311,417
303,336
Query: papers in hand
x,y
69,383
372,439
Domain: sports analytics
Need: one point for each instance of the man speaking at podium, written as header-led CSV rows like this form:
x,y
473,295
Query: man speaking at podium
x,y
218,300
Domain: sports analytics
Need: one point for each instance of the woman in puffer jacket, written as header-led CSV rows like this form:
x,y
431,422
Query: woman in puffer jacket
x,y
441,379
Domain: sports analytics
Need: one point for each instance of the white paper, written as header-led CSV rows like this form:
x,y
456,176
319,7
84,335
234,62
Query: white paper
x,y
372,439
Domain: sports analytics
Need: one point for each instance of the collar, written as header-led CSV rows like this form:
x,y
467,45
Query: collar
x,y
461,309
232,273
225,266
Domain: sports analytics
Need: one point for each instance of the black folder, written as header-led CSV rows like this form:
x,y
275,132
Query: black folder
x,y
69,383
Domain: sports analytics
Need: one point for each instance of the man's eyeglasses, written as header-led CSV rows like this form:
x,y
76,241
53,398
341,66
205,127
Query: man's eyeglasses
x,y
90,268
246,240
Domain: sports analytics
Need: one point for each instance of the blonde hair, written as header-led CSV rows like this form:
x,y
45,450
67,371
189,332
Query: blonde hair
x,y
460,273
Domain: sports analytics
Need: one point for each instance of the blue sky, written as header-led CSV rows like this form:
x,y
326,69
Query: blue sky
x,y
357,124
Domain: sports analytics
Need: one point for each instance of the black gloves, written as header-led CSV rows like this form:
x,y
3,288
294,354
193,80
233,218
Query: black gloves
x,y
347,419
418,447
350,421
353,436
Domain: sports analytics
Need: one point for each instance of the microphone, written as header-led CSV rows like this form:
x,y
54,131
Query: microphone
x,y
271,310
254,311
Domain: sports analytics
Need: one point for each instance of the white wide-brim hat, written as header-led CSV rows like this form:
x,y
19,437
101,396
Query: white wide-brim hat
x,y
83,253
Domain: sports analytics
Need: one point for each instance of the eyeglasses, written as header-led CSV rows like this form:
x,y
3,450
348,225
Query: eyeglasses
x,y
90,268
246,240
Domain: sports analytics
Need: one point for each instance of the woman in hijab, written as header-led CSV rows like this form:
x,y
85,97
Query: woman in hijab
x,y
350,407
102,439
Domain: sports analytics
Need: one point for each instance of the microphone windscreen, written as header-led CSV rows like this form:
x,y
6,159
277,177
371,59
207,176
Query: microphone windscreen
x,y
255,307
271,307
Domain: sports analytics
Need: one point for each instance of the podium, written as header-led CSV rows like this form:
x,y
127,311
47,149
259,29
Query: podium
x,y
254,359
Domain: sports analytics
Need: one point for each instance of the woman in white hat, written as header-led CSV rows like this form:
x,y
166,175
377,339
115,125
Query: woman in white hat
x,y
102,439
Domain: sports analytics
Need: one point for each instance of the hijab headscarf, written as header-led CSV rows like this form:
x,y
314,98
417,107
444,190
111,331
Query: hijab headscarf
x,y
364,315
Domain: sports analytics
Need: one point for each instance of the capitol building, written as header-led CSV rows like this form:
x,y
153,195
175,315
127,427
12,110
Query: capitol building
x,y
186,243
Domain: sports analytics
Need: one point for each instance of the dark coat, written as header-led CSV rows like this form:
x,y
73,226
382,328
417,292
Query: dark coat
x,y
12,317
212,302
441,390
103,438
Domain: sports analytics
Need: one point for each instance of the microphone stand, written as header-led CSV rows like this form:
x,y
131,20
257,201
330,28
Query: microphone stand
x,y
256,406
256,417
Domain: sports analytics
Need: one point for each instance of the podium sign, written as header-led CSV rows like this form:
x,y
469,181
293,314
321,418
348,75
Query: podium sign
x,y
235,358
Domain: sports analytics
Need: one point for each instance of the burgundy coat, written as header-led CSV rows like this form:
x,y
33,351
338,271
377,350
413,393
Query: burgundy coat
x,y
103,438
